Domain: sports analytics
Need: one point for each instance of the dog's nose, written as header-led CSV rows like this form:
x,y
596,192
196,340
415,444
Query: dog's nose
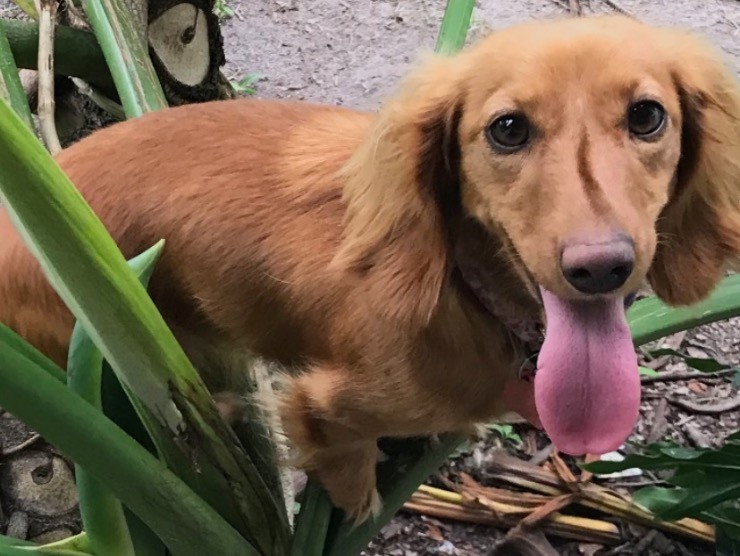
x,y
598,267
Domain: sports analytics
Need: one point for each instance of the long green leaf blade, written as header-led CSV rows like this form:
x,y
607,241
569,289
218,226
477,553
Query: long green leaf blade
x,y
102,514
127,55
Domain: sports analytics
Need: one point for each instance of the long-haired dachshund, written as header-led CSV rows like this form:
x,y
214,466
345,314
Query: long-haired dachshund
x,y
404,263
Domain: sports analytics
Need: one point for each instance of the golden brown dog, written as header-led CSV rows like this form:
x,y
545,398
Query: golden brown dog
x,y
401,261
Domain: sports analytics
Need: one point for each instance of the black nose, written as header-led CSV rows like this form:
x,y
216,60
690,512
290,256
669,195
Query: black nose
x,y
598,267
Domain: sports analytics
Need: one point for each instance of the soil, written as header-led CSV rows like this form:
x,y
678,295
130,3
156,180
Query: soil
x,y
352,52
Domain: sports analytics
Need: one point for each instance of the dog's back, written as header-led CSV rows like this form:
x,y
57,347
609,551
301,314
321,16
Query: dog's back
x,y
241,191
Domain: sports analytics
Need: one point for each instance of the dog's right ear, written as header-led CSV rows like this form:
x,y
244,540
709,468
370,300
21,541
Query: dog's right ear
x,y
401,189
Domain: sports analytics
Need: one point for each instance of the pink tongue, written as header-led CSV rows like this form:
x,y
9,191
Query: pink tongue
x,y
587,386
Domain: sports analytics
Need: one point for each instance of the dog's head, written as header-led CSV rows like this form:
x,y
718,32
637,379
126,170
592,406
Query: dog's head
x,y
599,152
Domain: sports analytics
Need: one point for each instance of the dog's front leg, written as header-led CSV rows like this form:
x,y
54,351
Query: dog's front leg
x,y
334,443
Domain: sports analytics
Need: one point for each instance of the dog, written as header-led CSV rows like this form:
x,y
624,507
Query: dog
x,y
405,264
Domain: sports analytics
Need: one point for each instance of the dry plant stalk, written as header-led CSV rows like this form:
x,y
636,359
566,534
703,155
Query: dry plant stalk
x,y
565,526
47,17
549,493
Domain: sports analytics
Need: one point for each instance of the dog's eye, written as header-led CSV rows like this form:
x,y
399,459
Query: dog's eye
x,y
646,119
508,133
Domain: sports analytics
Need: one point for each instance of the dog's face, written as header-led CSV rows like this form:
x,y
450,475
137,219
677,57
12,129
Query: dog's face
x,y
570,147
596,153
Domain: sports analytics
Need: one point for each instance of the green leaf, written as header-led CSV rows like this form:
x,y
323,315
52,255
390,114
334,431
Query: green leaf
x,y
455,24
658,499
9,339
650,319
647,371
726,545
127,53
726,517
77,52
312,523
102,514
86,268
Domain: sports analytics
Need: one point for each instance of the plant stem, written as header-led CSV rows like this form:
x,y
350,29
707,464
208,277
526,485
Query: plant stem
x,y
78,53
47,19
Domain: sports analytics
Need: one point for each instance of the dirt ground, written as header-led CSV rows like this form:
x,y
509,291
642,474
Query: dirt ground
x,y
352,52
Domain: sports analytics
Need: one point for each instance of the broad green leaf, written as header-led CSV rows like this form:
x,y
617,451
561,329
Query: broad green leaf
x,y
86,268
727,519
651,319
658,499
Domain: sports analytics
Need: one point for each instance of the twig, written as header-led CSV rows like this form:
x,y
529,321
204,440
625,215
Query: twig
x,y
574,6
686,375
613,4
47,13
706,409
22,446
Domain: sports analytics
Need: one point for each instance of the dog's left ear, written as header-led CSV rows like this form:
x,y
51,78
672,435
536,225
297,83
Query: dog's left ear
x,y
699,228
401,188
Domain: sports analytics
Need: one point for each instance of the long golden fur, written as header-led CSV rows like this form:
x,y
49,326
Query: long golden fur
x,y
329,239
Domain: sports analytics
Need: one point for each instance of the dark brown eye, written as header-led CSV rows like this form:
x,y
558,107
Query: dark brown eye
x,y
646,119
508,133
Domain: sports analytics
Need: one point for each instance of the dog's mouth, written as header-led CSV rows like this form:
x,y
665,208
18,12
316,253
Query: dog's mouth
x,y
579,379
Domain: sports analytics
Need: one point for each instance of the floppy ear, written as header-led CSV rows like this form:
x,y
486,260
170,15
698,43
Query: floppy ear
x,y
401,190
699,228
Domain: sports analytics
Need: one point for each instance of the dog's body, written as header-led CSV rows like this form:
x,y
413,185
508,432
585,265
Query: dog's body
x,y
389,258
